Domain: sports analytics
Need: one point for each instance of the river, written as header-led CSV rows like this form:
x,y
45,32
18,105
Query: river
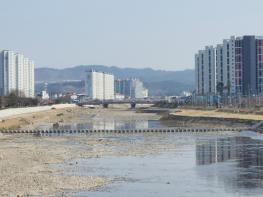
x,y
178,165
164,164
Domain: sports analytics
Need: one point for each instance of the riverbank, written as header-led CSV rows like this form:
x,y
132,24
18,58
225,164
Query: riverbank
x,y
210,118
17,118
54,116
12,112
217,114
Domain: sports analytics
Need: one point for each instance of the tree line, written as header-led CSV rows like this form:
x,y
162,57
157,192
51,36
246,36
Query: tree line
x,y
17,99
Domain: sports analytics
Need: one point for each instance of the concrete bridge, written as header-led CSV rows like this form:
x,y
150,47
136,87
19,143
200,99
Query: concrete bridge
x,y
106,103
149,130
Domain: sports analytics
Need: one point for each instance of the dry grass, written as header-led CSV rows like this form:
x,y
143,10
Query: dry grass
x,y
217,114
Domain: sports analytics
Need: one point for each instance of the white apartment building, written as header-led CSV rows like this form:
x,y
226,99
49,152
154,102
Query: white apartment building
x,y
205,68
100,85
20,73
17,74
225,64
31,78
108,86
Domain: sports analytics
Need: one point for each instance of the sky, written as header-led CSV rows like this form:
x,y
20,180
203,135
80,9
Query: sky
x,y
161,34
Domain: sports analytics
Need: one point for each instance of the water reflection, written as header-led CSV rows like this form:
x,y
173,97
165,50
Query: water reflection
x,y
214,151
188,166
244,156
106,124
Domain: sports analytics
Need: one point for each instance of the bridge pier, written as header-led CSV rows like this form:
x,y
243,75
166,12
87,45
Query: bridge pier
x,y
105,105
133,105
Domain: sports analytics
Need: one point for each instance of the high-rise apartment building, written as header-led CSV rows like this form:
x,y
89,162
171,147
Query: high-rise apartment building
x,y
17,74
249,61
108,86
31,78
100,85
131,88
123,87
238,67
259,62
205,71
225,65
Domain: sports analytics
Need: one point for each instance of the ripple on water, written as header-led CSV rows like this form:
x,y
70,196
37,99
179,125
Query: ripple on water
x,y
190,166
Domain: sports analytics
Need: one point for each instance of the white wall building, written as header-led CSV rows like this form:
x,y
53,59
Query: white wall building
x,y
205,71
31,78
45,95
108,86
100,85
20,73
225,64
17,74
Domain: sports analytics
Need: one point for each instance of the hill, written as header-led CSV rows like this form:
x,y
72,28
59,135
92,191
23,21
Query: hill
x,y
159,82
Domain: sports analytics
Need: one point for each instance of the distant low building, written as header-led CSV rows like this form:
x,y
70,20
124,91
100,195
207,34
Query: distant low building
x,y
186,93
44,95
171,99
119,97
74,97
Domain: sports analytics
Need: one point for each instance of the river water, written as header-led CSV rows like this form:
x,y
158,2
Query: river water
x,y
109,124
206,165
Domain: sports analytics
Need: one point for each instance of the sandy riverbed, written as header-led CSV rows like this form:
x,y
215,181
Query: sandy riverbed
x,y
25,171
25,161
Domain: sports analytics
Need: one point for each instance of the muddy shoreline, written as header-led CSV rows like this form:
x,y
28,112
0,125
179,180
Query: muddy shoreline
x,y
208,122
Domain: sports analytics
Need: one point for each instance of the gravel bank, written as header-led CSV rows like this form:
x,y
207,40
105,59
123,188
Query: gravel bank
x,y
25,167
26,160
